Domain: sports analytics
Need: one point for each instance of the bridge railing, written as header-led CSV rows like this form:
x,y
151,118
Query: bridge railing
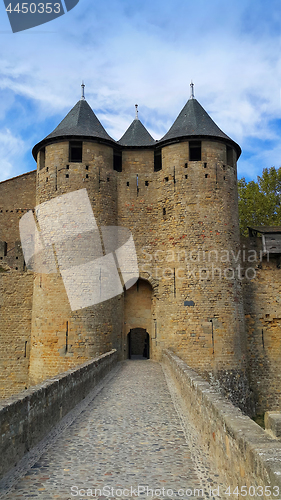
x,y
245,456
27,417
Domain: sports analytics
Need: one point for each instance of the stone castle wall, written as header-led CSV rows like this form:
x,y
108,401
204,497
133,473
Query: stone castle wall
x,y
17,196
262,304
184,221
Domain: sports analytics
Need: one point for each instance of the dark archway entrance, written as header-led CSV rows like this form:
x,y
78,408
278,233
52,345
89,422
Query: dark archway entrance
x,y
138,344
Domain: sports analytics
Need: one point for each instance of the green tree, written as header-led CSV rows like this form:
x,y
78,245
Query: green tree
x,y
260,202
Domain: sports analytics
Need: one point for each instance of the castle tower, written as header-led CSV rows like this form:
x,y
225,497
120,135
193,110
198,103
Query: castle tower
x,y
77,155
203,319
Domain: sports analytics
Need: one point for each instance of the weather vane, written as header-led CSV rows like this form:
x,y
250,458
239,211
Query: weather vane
x,y
191,90
137,112
83,87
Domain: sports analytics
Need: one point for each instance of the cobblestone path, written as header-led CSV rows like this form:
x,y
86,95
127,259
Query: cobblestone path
x,y
128,436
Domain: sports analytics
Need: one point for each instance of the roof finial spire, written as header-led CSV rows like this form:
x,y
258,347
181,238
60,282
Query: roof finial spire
x,y
191,90
82,90
137,111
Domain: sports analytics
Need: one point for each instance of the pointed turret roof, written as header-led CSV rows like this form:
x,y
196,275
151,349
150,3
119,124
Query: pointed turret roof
x,y
80,122
136,135
194,121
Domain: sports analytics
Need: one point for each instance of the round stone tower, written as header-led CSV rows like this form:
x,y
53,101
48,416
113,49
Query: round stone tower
x,y
200,266
76,195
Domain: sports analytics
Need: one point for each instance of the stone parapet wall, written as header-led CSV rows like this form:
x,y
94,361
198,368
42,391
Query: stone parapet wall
x,y
25,419
241,451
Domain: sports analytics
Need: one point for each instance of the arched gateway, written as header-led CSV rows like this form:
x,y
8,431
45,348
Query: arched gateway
x,y
138,320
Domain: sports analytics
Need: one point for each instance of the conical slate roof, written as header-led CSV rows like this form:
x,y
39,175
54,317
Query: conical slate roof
x,y
81,121
193,120
136,135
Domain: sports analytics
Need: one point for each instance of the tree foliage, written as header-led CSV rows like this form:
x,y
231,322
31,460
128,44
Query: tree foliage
x,y
260,202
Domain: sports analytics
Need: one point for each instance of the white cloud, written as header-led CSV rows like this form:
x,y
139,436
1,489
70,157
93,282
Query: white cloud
x,y
11,149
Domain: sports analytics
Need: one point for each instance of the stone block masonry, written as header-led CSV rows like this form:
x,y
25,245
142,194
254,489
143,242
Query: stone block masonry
x,y
262,298
244,455
15,323
25,419
272,422
17,196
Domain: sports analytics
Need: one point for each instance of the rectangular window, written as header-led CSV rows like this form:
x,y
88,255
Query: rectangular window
x,y
3,249
195,151
117,161
229,156
42,158
75,151
157,161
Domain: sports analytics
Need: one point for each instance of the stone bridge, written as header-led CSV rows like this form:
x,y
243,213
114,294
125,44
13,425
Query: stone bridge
x,y
135,429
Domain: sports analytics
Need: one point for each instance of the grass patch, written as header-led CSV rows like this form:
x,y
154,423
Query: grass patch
x,y
259,419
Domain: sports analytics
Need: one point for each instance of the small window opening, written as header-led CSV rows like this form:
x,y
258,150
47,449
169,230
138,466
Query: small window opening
x,y
157,161
66,338
87,167
67,176
16,258
229,156
146,183
166,179
224,177
87,176
205,165
47,169
108,179
186,176
223,167
128,184
47,179
195,151
4,247
164,211
25,348
42,158
185,165
117,161
75,151
67,167
206,176
16,268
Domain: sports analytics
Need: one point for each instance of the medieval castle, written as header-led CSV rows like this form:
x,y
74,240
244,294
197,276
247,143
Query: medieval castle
x,y
211,297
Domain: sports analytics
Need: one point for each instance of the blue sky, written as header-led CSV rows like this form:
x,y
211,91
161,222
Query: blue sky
x,y
132,51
